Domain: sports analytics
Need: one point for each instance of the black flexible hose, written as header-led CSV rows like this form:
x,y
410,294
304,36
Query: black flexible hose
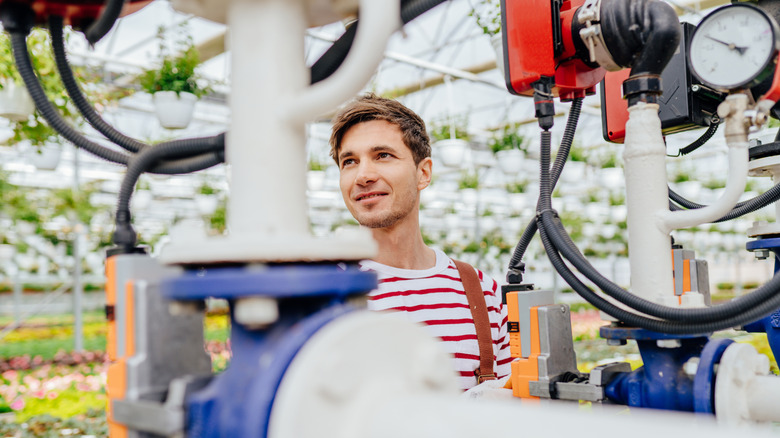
x,y
124,235
515,262
72,87
330,61
741,209
47,110
98,29
699,142
549,228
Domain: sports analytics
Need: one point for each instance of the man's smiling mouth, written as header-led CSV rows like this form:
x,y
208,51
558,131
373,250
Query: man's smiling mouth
x,y
369,196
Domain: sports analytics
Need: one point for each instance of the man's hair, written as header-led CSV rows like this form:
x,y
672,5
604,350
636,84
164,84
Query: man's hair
x,y
372,107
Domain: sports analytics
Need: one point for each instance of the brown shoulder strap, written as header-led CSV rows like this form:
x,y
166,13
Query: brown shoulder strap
x,y
479,313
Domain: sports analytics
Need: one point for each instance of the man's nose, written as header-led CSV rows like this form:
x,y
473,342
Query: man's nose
x,y
367,173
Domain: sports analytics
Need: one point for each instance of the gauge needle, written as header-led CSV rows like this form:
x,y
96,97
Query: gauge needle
x,y
732,46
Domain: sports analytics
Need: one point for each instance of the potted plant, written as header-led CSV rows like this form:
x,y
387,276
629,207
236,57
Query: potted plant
x,y
451,141
175,86
509,147
487,14
15,102
206,198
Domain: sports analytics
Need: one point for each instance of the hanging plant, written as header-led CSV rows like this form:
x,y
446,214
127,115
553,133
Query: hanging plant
x,y
175,84
487,14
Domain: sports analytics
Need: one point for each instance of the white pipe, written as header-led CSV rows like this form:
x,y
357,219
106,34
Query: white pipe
x,y
266,151
764,400
646,195
432,416
736,140
378,21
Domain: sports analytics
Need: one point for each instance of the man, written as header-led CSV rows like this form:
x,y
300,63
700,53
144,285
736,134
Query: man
x,y
384,156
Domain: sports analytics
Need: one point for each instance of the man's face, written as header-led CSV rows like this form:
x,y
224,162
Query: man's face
x,y
379,181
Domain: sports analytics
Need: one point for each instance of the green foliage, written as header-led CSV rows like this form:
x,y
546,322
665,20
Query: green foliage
x,y
218,220
74,204
469,180
441,130
507,139
207,189
577,153
487,14
516,187
315,164
177,69
68,403
681,177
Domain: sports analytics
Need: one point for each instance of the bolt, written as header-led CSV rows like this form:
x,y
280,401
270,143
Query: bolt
x,y
691,366
616,342
761,254
695,88
668,343
256,312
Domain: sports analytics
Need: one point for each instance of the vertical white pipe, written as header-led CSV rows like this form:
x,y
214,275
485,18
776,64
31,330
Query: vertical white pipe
x,y
265,150
646,197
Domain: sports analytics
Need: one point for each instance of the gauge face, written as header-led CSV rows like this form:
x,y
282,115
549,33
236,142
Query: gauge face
x,y
734,47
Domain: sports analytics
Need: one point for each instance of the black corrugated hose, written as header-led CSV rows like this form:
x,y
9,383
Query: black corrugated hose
x,y
98,29
124,236
330,61
737,312
515,264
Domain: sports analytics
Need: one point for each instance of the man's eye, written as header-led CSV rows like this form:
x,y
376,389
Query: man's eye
x,y
347,162
384,155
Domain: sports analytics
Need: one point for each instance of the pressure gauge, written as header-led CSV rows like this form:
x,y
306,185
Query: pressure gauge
x,y
734,47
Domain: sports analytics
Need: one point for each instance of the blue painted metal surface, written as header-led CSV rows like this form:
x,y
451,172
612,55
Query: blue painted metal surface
x,y
334,280
661,383
238,402
625,333
703,382
770,324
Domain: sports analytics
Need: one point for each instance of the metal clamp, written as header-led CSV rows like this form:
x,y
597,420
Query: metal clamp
x,y
591,35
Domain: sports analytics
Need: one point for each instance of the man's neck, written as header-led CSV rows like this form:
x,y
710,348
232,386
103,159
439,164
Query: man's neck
x,y
402,246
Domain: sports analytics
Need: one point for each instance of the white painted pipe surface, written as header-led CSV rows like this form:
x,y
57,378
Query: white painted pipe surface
x,y
431,416
266,152
378,21
646,198
735,187
764,401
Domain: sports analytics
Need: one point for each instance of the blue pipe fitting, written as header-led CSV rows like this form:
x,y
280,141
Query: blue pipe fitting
x,y
771,323
662,382
238,402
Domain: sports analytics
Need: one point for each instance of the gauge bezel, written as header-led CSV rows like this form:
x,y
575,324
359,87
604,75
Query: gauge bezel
x,y
769,64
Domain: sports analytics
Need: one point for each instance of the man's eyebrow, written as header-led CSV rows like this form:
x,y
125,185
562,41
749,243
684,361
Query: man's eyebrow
x,y
376,148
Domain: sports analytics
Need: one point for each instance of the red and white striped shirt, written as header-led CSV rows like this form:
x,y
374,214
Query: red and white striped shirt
x,y
436,298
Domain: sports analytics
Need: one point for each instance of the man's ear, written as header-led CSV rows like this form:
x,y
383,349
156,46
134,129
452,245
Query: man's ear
x,y
424,170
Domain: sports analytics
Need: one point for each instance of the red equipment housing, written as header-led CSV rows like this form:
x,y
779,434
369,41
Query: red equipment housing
x,y
78,13
530,28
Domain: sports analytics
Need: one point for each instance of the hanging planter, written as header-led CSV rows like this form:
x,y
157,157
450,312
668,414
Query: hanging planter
x,y
15,102
46,157
452,151
174,111
510,161
175,85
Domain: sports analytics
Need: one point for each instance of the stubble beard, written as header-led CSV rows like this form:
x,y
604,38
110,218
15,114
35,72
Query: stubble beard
x,y
387,219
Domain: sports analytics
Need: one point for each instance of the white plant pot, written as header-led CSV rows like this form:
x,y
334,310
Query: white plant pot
x,y
207,204
15,102
174,111
315,180
498,46
452,151
7,252
510,161
141,200
46,157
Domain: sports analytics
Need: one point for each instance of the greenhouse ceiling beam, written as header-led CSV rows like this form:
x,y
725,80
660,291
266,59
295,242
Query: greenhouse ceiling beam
x,y
439,79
